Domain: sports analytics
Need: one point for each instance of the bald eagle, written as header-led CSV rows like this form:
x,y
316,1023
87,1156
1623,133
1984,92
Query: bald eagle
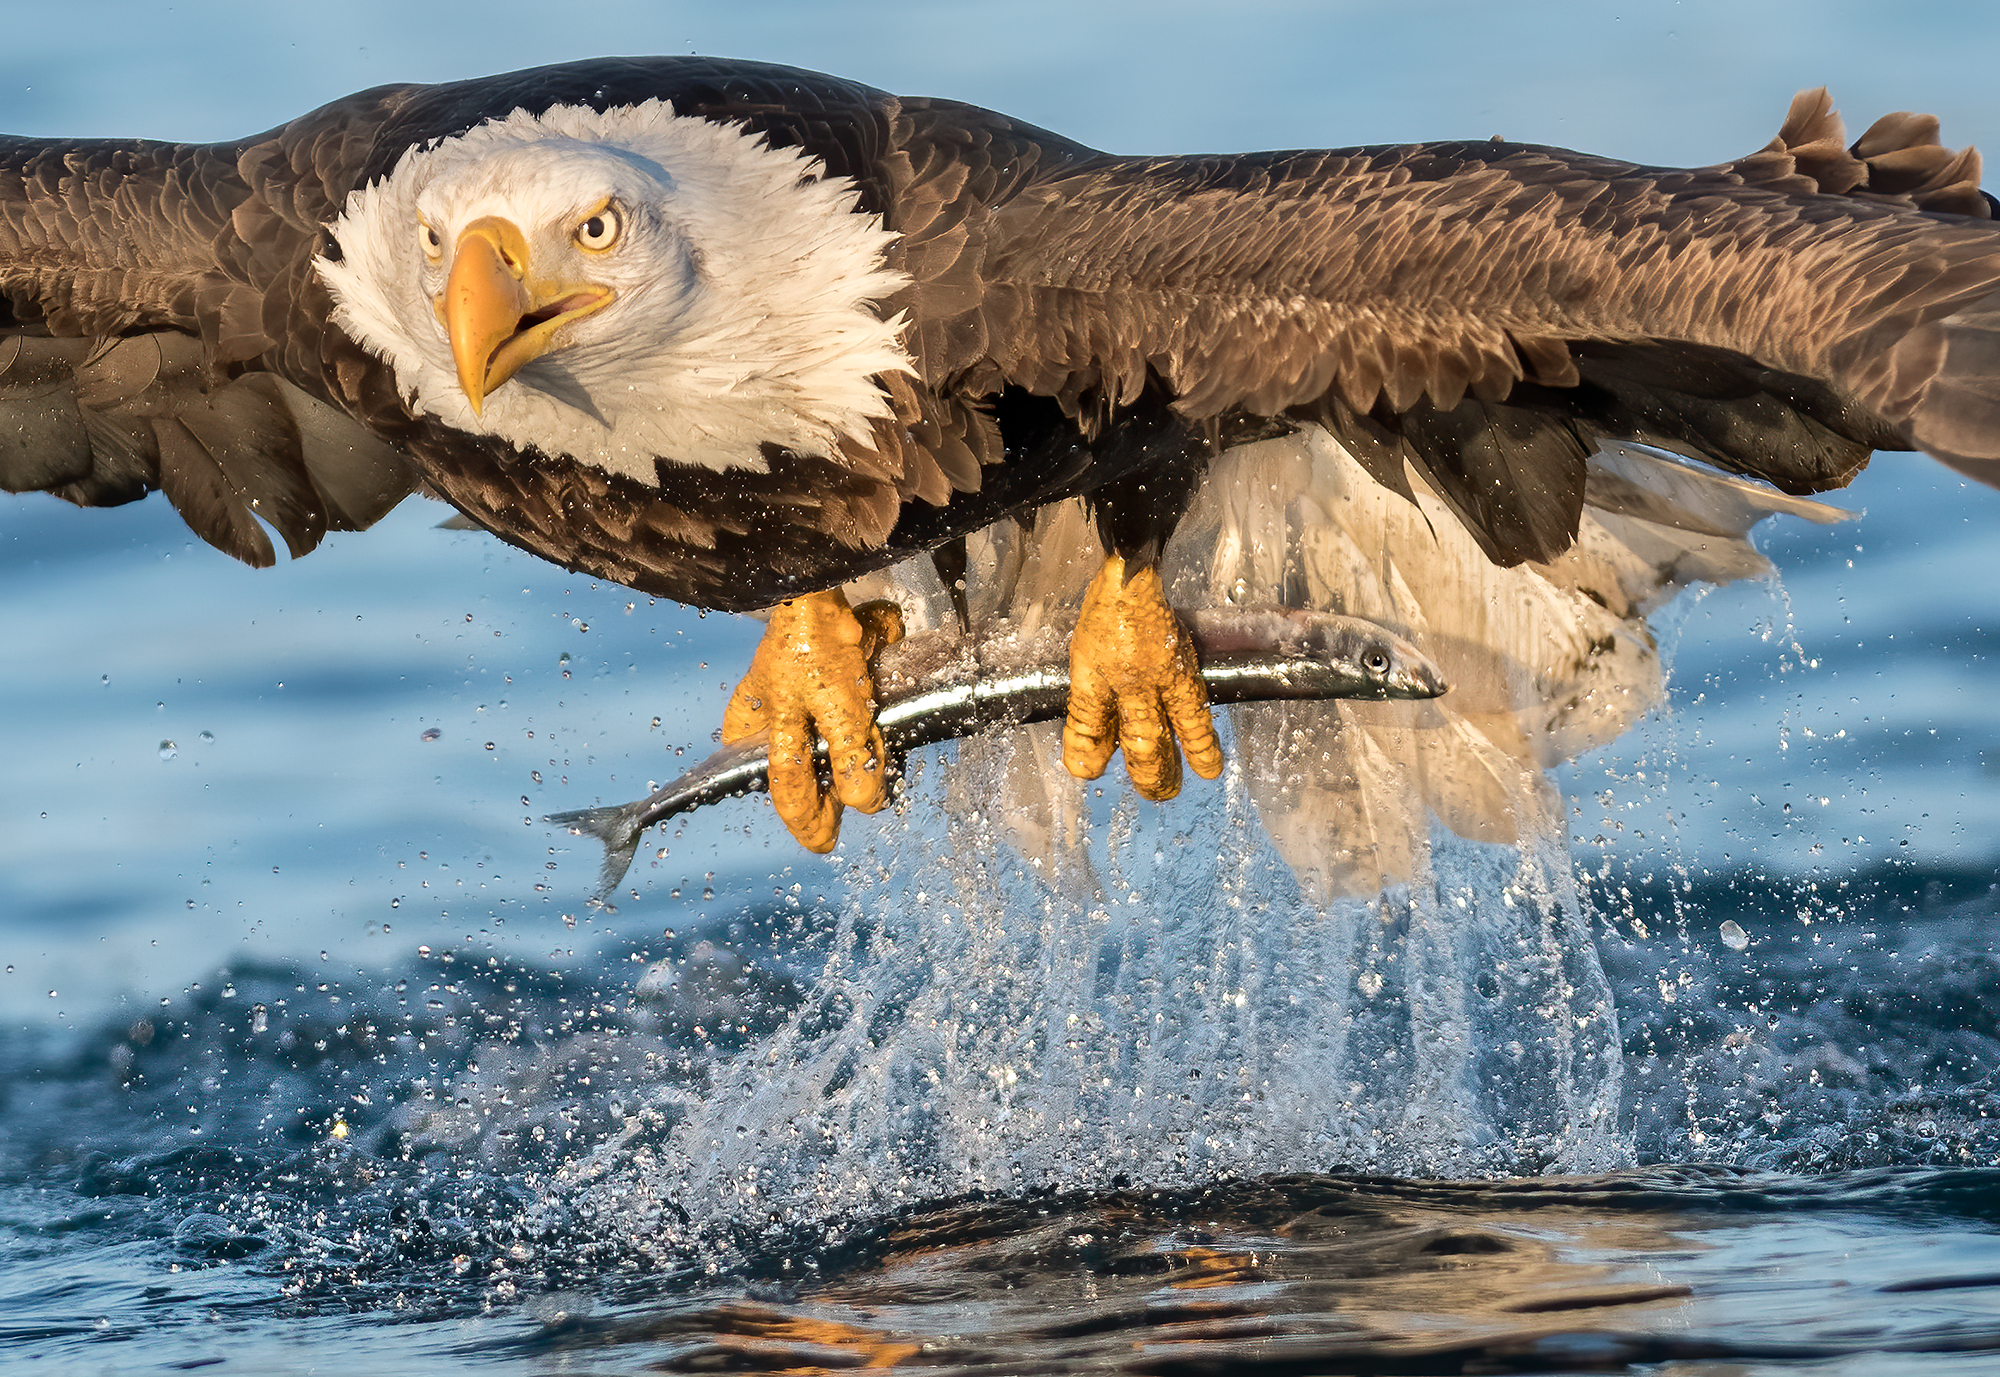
x,y
739,335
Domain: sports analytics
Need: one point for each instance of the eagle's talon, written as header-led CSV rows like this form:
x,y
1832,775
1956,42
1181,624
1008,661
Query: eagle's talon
x,y
1135,684
811,678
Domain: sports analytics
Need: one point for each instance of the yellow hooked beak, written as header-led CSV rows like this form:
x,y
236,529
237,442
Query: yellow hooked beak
x,y
498,314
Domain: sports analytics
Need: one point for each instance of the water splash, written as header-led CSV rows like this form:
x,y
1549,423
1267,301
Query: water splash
x,y
1163,1006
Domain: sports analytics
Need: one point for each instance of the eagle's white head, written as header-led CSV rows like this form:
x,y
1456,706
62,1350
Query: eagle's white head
x,y
621,287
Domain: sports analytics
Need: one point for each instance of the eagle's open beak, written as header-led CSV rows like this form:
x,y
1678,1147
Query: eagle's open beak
x,y
498,314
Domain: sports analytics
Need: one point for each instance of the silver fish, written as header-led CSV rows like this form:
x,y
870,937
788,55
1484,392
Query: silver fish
x,y
940,685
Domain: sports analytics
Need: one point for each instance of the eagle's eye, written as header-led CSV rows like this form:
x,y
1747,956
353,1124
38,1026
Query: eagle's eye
x,y
600,230
432,242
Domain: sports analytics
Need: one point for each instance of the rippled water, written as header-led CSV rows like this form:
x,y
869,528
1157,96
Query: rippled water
x,y
487,1162
312,1056
977,1128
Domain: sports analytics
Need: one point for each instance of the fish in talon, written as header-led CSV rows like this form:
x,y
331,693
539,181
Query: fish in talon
x,y
940,685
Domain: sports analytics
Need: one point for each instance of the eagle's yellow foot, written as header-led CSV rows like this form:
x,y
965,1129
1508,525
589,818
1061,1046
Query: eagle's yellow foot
x,y
1133,682
811,676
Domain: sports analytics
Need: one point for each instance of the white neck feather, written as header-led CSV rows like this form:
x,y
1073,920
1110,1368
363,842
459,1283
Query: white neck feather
x,y
744,313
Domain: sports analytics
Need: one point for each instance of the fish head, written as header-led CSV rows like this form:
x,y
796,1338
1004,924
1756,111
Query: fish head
x,y
1380,663
1403,670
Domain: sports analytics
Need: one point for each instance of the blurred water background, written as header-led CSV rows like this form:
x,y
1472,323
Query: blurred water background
x,y
304,1017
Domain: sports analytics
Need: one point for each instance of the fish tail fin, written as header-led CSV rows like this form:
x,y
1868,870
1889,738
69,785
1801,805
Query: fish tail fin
x,y
618,828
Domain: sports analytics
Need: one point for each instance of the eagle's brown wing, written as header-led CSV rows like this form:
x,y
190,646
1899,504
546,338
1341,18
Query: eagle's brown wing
x,y
1487,311
1483,311
144,288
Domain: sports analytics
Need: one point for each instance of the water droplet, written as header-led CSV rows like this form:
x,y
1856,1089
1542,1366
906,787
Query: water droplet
x,y
206,737
430,734
1733,935
168,750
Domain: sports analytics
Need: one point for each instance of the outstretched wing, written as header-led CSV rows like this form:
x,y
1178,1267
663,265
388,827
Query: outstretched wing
x,y
1480,313
146,296
1488,312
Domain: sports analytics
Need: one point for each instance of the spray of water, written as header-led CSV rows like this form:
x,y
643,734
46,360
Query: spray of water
x,y
1163,1006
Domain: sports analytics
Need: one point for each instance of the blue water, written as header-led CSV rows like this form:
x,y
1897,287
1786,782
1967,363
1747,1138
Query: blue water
x,y
314,1056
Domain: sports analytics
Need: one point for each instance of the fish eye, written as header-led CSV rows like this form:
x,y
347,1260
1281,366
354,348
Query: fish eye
x,y
600,230
430,240
1375,662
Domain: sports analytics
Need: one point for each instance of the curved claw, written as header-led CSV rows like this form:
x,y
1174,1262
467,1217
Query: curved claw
x,y
1135,684
810,678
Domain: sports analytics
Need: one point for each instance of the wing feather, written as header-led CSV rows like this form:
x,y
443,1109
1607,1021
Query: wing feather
x,y
1497,308
1476,314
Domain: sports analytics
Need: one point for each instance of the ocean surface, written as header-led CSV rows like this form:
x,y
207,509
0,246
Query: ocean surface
x,y
314,1056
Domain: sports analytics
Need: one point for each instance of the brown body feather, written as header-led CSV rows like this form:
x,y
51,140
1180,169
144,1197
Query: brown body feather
x,y
1484,312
